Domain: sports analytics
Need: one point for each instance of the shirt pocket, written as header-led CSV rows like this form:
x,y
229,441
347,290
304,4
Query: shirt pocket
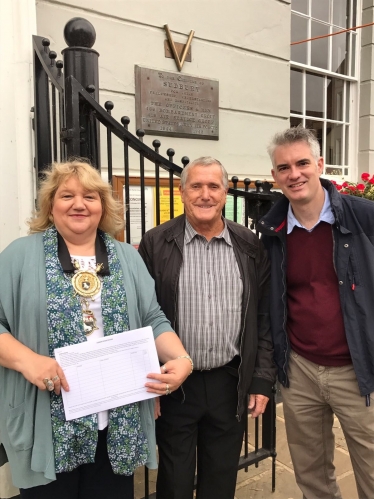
x,y
20,428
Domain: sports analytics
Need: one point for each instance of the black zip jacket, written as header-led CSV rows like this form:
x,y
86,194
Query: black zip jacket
x,y
353,235
162,251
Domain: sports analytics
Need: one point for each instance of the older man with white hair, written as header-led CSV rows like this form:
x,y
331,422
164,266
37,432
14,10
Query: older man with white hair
x,y
212,282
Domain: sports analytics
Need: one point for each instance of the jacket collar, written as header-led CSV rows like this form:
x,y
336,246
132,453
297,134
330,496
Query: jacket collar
x,y
236,232
275,220
175,231
100,251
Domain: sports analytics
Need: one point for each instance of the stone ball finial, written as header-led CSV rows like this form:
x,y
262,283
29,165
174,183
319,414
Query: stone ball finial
x,y
79,32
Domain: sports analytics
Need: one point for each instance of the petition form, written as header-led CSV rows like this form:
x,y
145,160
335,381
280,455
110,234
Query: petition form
x,y
107,372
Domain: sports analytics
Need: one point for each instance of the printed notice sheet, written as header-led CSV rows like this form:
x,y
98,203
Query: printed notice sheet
x,y
107,372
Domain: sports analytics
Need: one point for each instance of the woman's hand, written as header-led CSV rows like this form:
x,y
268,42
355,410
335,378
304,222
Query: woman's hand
x,y
38,369
174,373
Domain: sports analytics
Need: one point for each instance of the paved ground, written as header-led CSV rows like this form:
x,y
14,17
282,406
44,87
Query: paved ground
x,y
256,484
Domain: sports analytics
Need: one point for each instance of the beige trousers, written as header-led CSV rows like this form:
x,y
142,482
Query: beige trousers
x,y
315,394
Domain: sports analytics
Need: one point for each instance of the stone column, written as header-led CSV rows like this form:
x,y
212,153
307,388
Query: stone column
x,y
366,119
17,24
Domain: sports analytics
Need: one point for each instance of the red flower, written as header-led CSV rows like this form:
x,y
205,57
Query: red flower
x,y
339,187
365,177
360,187
333,182
345,184
352,188
344,192
371,181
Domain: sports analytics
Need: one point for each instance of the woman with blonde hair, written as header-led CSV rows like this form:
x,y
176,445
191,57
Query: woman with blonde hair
x,y
42,307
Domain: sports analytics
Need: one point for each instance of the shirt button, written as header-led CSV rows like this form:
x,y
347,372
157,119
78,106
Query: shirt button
x,y
341,283
346,245
208,271
209,297
207,247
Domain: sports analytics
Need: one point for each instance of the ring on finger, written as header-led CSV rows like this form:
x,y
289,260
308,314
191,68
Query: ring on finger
x,y
49,384
163,368
167,390
56,378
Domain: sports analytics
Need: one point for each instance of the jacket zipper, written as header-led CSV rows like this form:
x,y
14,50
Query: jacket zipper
x,y
175,310
284,305
333,250
284,314
241,346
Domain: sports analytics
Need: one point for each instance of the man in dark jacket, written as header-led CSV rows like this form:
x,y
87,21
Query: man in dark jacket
x,y
321,246
212,282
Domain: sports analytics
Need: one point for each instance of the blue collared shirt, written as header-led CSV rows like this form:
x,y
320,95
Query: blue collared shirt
x,y
326,215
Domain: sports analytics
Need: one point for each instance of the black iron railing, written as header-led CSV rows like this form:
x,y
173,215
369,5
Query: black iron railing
x,y
48,106
68,120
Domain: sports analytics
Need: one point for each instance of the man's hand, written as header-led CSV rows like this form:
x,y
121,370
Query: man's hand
x,y
257,404
157,410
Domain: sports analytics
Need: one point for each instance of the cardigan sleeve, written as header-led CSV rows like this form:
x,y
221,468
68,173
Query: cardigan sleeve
x,y
8,261
148,310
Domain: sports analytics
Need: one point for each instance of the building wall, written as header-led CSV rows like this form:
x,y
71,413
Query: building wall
x,y
17,24
242,43
366,120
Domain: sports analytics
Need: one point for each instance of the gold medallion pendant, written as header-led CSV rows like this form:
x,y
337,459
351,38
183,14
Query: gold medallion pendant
x,y
86,284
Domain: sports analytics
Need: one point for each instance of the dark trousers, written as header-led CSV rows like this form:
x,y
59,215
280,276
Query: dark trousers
x,y
203,427
88,481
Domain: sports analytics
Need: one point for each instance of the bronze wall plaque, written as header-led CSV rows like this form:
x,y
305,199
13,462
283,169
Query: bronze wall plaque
x,y
176,104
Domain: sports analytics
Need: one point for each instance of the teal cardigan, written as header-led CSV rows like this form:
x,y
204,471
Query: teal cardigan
x,y
25,422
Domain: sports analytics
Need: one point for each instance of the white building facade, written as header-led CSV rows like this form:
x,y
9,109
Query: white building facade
x,y
264,83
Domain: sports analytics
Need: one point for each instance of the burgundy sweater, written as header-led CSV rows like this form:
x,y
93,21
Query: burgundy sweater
x,y
315,321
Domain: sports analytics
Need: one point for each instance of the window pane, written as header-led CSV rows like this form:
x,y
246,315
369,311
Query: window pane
x,y
317,126
299,31
300,6
295,121
353,21
339,52
332,170
347,101
353,54
340,13
321,10
319,50
346,159
296,91
334,109
314,95
334,142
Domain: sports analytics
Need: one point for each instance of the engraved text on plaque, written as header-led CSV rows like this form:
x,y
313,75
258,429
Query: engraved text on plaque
x,y
176,104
